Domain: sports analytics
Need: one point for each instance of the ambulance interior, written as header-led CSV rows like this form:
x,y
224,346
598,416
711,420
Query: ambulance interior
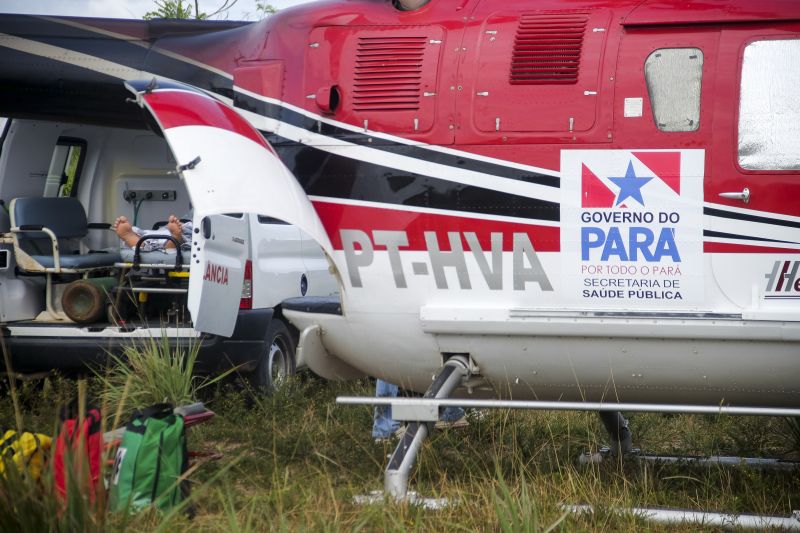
x,y
50,174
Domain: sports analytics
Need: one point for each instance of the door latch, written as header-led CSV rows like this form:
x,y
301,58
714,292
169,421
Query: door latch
x,y
744,196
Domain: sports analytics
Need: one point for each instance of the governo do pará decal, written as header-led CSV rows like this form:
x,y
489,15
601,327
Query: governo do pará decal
x,y
632,228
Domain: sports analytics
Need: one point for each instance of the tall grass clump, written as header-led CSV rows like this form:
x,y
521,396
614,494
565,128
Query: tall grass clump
x,y
154,372
34,505
31,502
517,510
793,435
28,504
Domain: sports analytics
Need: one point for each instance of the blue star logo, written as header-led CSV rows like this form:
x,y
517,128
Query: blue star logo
x,y
630,186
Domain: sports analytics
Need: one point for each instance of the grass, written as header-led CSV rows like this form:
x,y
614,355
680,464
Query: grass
x,y
294,462
151,371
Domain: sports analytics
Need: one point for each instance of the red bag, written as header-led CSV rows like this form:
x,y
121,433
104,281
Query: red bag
x,y
69,438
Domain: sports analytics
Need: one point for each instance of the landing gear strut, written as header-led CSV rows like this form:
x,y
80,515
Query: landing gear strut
x,y
395,481
425,410
617,429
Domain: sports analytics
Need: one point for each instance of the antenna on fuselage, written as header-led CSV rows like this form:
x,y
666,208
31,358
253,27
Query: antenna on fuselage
x,y
153,85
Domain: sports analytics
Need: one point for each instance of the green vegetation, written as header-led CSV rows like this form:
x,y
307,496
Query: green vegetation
x,y
155,373
174,9
294,462
264,9
184,9
30,505
71,169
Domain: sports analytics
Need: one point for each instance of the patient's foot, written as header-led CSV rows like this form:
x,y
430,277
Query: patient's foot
x,y
124,230
175,228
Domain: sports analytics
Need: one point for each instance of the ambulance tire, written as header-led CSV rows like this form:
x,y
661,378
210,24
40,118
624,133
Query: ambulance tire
x,y
277,360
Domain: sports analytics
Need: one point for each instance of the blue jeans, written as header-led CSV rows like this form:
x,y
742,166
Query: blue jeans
x,y
383,425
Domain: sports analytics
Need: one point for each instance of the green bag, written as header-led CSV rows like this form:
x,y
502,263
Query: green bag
x,y
150,461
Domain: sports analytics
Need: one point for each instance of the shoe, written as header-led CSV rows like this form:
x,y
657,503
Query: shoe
x,y
397,434
476,414
447,424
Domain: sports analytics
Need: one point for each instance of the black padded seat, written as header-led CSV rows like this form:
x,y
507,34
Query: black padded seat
x,y
64,217
47,234
79,262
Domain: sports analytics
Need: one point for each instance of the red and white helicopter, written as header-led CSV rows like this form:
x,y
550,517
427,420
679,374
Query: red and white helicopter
x,y
586,203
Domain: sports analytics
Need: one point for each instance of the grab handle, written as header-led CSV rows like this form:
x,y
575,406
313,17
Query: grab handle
x,y
743,196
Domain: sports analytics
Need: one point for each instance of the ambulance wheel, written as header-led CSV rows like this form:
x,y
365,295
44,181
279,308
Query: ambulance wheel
x,y
277,358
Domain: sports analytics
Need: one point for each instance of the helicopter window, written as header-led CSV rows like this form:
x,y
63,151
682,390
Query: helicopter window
x,y
769,109
65,167
5,125
262,219
674,79
409,5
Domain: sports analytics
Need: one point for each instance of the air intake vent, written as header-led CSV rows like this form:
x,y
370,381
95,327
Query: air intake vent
x,y
388,73
547,49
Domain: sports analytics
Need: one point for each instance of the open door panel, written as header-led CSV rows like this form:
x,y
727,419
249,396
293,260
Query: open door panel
x,y
227,167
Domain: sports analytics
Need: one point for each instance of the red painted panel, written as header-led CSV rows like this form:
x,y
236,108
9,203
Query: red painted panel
x,y
503,103
183,108
595,193
386,77
665,165
641,131
336,217
657,12
264,78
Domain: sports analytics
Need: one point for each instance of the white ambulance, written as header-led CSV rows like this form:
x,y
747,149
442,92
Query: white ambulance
x,y
70,292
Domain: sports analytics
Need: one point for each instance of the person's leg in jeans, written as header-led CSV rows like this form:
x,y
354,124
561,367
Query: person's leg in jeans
x,y
383,426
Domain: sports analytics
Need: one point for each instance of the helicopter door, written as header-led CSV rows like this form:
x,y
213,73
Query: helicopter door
x,y
753,229
227,167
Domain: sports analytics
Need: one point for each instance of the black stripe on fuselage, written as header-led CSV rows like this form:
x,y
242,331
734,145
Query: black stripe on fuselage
x,y
135,54
322,173
710,211
42,88
722,235
302,121
115,50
